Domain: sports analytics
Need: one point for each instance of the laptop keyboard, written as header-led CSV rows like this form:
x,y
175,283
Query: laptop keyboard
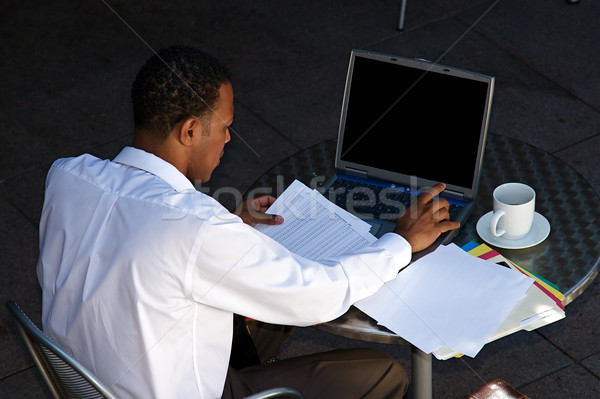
x,y
369,201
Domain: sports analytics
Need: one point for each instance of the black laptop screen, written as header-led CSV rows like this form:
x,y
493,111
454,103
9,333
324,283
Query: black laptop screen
x,y
415,122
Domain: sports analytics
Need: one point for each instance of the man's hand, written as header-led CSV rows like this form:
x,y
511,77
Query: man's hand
x,y
252,211
428,217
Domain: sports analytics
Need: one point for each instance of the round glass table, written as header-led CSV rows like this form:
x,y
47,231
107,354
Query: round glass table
x,y
569,257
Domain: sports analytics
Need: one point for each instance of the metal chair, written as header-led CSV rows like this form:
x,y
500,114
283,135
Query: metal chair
x,y
67,378
285,392
64,375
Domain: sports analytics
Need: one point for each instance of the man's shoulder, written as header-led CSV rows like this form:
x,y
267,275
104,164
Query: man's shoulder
x,y
84,167
130,182
81,161
85,171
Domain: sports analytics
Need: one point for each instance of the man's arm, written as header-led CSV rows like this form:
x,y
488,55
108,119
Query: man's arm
x,y
421,224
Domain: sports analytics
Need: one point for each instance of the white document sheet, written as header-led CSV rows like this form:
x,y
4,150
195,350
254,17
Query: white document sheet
x,y
448,299
314,227
534,311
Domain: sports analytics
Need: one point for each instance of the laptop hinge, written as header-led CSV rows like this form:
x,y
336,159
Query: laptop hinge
x,y
454,194
356,172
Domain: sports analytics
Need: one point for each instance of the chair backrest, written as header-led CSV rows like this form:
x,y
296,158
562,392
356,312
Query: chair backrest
x,y
64,375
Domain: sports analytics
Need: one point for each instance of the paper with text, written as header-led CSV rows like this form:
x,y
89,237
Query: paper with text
x,y
314,227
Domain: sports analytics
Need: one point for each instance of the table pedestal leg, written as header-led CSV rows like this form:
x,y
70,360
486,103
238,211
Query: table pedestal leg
x,y
421,374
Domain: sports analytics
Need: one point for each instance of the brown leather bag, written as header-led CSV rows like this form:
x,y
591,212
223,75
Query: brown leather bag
x,y
497,389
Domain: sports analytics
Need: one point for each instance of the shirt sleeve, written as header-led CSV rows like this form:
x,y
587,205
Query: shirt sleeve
x,y
241,270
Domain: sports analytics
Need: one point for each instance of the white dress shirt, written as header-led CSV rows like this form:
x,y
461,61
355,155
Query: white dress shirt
x,y
141,275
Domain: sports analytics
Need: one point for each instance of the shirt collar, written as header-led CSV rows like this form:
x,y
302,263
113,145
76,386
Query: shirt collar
x,y
152,164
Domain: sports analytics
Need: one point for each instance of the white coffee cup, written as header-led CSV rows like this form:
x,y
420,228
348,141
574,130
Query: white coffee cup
x,y
514,207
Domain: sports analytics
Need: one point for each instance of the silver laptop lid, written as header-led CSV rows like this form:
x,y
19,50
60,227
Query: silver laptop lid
x,y
404,118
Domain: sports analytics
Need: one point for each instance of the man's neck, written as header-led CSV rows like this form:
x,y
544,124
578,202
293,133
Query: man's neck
x,y
166,149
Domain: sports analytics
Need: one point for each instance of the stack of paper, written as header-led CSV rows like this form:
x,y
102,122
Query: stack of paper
x,y
542,305
448,301
484,252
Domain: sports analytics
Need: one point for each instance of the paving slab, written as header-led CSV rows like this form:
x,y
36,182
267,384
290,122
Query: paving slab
x,y
12,386
583,157
25,193
577,334
592,363
519,359
573,382
554,38
18,257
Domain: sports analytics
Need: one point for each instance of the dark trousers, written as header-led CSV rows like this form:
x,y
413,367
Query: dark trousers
x,y
348,373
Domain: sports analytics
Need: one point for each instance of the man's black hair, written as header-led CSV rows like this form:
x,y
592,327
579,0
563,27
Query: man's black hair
x,y
176,83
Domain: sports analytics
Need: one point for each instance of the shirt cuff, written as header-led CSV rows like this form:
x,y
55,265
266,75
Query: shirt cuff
x,y
397,246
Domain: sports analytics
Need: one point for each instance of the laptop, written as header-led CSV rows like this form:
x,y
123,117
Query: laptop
x,y
405,125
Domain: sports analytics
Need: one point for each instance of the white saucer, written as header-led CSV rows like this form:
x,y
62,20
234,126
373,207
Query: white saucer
x,y
538,233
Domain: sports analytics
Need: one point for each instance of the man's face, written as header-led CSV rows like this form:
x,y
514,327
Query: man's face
x,y
210,148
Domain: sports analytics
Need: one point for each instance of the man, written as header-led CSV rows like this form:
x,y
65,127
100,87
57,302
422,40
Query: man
x,y
142,274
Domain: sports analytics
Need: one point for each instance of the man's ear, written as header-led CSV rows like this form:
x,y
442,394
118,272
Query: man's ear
x,y
189,130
